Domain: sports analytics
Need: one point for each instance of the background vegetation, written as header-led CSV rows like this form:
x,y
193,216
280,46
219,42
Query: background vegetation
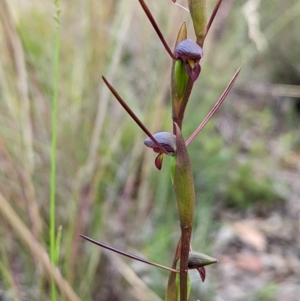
x,y
107,186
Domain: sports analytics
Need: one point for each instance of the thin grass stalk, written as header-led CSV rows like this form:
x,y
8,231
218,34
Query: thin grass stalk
x,y
53,249
57,245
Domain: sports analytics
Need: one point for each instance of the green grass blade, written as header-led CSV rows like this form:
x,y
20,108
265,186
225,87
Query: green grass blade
x,y
53,146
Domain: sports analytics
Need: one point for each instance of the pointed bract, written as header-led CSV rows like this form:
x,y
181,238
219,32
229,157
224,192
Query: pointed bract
x,y
132,115
214,109
156,28
105,246
212,17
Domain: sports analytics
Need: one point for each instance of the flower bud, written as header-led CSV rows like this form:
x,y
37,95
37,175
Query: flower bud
x,y
187,49
197,260
190,53
165,139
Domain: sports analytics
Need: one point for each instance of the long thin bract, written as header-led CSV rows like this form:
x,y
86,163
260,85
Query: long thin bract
x,y
105,246
214,109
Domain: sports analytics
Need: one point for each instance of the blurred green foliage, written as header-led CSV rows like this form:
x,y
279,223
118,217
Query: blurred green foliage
x,y
266,293
245,189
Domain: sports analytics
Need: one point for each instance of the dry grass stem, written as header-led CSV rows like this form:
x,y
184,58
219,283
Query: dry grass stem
x,y
36,249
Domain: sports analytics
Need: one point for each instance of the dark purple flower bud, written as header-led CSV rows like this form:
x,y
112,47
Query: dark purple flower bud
x,y
165,139
190,53
187,49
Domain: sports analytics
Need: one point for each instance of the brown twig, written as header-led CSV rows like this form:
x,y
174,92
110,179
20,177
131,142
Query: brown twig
x,y
36,249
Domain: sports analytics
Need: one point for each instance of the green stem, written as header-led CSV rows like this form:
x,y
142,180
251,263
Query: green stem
x,y
53,146
185,195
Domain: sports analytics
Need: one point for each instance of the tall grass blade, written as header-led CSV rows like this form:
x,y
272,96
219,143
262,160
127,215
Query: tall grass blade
x,y
53,145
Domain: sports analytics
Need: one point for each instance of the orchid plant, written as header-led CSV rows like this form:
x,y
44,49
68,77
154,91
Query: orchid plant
x,y
185,71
